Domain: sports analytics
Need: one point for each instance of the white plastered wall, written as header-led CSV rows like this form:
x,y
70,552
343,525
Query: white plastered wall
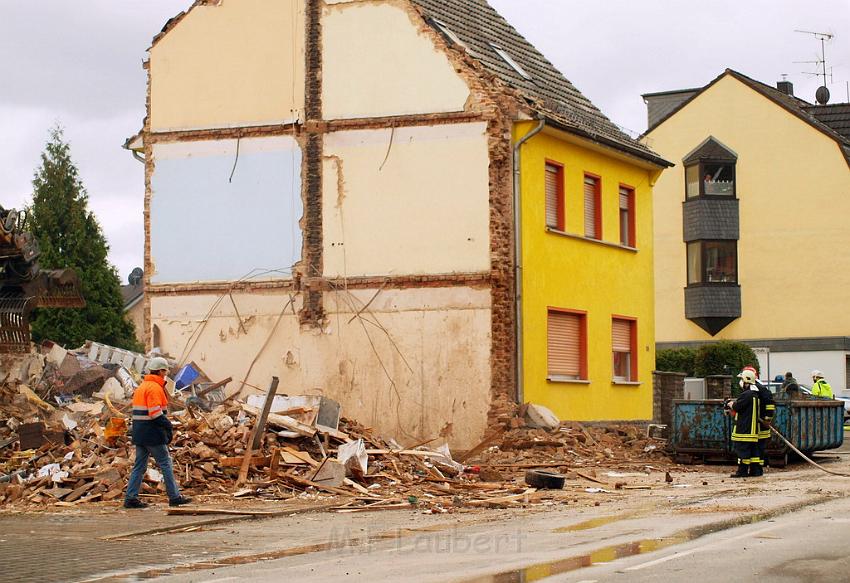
x,y
377,62
436,350
219,215
407,201
233,64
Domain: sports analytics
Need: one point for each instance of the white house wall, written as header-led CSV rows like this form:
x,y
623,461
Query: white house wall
x,y
830,362
406,201
436,351
377,62
235,63
219,217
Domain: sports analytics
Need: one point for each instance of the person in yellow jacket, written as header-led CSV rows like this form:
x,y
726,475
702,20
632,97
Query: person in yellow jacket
x,y
152,432
820,388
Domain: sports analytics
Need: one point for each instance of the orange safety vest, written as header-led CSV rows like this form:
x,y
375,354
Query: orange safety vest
x,y
150,400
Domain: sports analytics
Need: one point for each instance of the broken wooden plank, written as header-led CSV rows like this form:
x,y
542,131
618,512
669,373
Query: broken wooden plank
x,y
485,443
591,478
257,433
235,462
78,493
285,422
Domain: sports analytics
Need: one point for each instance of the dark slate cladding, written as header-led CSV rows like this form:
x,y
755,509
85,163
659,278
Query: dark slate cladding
x,y
710,149
836,116
705,218
478,26
659,105
713,307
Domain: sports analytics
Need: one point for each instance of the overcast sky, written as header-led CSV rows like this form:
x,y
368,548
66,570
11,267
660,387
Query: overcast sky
x,y
80,64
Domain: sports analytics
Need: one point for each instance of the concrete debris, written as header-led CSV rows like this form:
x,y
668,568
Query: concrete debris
x,y
539,417
79,452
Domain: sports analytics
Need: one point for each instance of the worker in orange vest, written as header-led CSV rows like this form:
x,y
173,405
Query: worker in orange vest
x,y
152,432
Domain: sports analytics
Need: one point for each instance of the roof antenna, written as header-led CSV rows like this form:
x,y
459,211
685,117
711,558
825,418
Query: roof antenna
x,y
822,94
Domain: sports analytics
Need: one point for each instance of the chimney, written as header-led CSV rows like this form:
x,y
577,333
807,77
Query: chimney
x,y
785,87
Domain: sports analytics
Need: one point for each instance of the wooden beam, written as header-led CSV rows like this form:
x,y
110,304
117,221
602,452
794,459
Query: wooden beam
x,y
257,433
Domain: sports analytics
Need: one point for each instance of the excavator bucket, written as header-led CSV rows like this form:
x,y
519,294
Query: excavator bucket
x,y
24,286
14,325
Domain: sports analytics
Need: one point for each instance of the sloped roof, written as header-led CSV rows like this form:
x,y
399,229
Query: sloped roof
x,y
710,149
131,293
479,26
794,105
835,115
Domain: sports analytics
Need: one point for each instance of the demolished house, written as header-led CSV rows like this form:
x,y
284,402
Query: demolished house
x,y
331,198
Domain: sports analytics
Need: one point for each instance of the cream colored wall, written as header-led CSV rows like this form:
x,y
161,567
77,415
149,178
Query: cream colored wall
x,y
136,315
437,352
794,191
233,64
415,201
376,62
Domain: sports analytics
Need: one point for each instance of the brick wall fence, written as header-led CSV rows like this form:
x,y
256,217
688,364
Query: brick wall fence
x,y
666,387
718,386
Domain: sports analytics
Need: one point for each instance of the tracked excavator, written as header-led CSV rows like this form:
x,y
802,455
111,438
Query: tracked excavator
x,y
24,286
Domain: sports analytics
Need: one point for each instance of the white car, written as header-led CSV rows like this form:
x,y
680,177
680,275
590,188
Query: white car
x,y
776,388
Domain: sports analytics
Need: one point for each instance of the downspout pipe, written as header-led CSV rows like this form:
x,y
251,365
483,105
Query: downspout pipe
x,y
520,389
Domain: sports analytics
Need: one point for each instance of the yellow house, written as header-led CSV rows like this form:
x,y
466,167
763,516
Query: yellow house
x,y
751,232
341,194
587,286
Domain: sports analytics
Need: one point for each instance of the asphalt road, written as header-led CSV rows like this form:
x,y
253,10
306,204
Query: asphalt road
x,y
809,545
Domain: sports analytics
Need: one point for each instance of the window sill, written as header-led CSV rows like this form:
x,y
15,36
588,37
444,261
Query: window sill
x,y
591,240
627,383
567,380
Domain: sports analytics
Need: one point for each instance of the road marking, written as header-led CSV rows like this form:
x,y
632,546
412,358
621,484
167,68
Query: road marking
x,y
696,550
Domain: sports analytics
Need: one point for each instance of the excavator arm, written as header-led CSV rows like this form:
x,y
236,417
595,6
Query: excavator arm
x,y
24,286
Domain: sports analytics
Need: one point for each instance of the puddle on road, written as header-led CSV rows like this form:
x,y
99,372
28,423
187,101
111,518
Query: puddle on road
x,y
596,522
630,549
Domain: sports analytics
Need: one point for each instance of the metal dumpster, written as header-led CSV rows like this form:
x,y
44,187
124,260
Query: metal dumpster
x,y
701,432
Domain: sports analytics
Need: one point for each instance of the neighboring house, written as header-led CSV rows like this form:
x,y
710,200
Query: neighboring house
x,y
132,294
751,231
329,199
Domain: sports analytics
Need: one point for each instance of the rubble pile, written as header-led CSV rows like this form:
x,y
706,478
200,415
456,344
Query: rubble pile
x,y
66,442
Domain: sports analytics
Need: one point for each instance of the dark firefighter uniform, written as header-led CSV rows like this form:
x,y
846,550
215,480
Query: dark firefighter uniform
x,y
745,435
767,412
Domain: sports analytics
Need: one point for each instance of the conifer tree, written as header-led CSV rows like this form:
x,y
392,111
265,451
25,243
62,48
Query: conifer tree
x,y
70,237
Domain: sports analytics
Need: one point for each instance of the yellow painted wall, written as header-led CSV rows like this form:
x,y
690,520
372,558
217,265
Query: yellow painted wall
x,y
377,62
237,63
424,208
436,350
794,192
578,274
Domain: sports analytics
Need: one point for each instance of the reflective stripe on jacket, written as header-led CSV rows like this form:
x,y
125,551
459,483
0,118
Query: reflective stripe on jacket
x,y
746,407
822,389
768,410
150,405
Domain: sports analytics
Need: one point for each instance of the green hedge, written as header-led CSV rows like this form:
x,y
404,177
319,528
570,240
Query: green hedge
x,y
718,358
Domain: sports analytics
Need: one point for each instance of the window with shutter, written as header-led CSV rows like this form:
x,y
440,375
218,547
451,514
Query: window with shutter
x,y
555,196
592,203
623,342
627,216
567,345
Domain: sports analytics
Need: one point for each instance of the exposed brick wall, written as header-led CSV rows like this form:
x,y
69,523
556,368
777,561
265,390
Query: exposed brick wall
x,y
666,387
718,386
312,313
149,168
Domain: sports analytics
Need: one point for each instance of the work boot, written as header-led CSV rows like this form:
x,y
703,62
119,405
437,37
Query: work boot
x,y
179,501
134,503
743,472
756,471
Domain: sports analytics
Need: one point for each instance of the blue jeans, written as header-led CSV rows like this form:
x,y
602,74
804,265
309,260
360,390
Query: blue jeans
x,y
163,460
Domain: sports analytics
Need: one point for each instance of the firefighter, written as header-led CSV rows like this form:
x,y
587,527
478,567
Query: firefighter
x,y
766,414
745,435
820,388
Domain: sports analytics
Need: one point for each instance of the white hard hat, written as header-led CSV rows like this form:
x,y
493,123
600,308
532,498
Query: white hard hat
x,y
748,376
158,363
816,374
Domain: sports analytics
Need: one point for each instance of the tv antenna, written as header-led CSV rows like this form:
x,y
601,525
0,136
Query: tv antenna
x,y
822,94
